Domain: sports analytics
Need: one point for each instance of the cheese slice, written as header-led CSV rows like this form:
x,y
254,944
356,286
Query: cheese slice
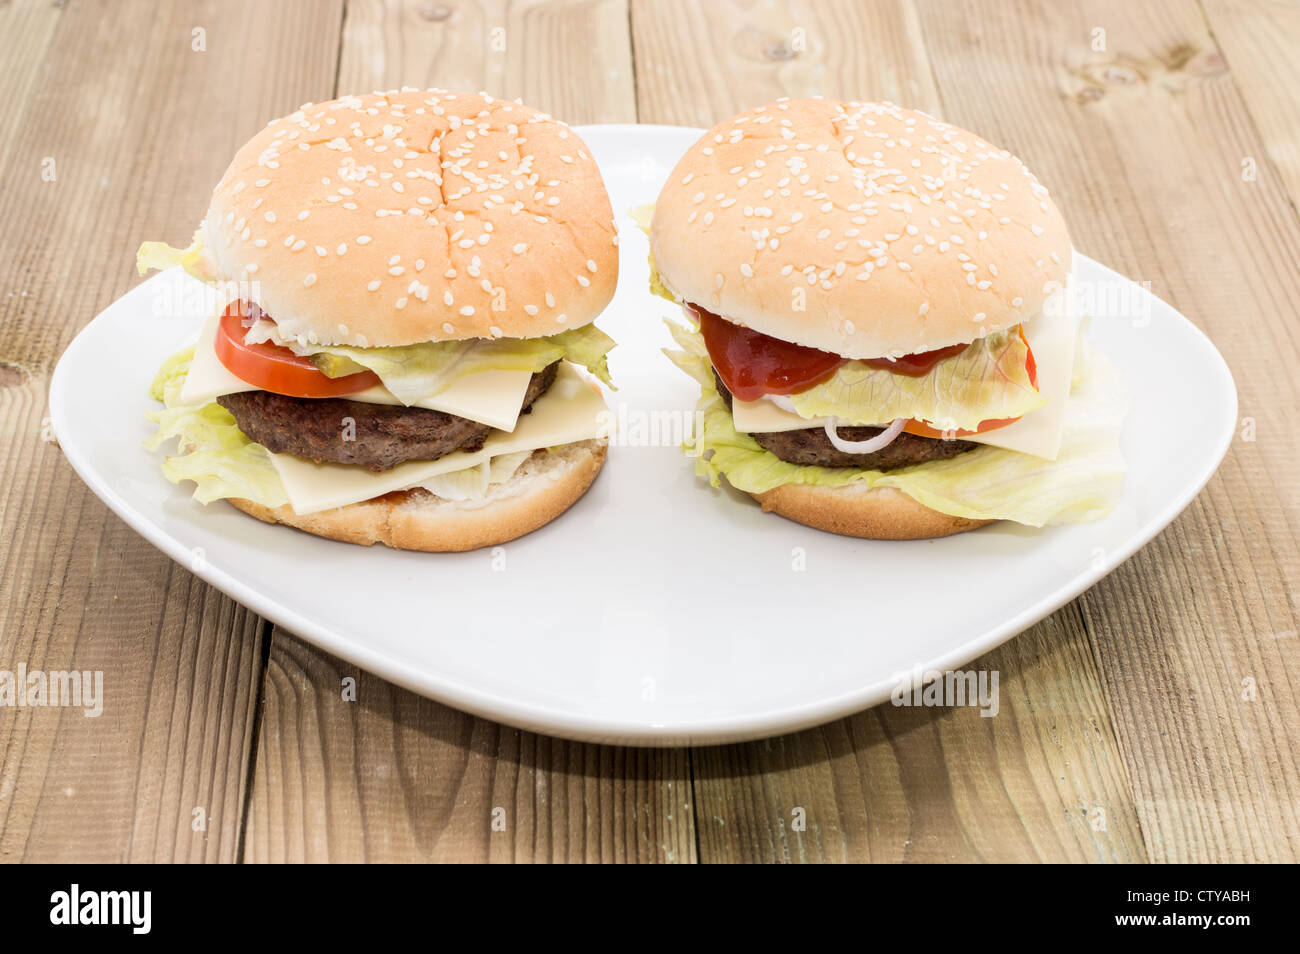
x,y
755,417
489,397
571,410
1051,337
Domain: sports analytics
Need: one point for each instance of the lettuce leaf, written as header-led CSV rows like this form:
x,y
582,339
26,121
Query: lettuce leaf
x,y
160,255
473,483
657,287
214,453
222,462
468,484
503,466
990,483
412,372
986,380
643,215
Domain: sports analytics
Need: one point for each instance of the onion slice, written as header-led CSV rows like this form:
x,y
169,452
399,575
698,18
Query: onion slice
x,y
879,442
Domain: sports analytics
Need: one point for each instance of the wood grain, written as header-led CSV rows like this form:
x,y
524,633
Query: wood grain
x,y
698,63
890,784
1041,780
25,32
393,776
78,589
570,58
1143,142
1258,40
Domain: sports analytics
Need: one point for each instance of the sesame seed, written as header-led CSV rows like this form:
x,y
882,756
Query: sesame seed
x,y
309,280
467,310
373,286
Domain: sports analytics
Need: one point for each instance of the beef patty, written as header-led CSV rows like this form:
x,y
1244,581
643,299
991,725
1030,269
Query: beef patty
x,y
385,434
811,447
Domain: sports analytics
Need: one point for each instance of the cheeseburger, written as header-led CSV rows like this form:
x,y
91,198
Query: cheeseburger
x,y
407,282
880,324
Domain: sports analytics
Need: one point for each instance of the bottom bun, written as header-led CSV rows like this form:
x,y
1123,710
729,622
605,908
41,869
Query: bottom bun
x,y
880,513
543,487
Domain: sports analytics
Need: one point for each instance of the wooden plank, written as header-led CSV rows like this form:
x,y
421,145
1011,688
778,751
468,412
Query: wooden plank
x,y
25,31
1039,781
395,777
135,152
392,776
1143,142
1259,39
889,784
698,63
571,58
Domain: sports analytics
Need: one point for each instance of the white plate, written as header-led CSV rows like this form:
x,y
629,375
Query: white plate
x,y
657,610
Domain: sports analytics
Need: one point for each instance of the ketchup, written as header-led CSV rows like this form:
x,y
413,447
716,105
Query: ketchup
x,y
752,364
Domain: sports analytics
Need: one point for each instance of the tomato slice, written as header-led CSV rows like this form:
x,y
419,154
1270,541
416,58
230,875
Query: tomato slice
x,y
275,368
752,364
1031,365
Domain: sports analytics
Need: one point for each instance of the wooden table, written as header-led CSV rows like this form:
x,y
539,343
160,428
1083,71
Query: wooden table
x,y
1154,718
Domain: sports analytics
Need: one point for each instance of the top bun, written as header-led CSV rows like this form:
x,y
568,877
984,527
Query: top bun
x,y
412,216
862,229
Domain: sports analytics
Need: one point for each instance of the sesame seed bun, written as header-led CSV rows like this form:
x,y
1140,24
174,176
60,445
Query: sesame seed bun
x,y
862,229
404,217
545,486
873,513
